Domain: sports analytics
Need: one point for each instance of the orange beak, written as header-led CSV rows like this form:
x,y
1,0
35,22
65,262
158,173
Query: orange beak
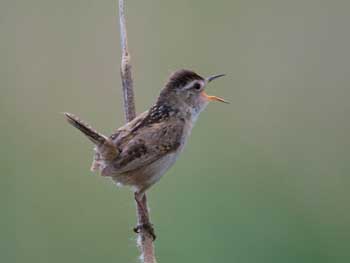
x,y
215,98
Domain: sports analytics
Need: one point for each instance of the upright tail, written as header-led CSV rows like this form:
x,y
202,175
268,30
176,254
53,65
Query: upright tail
x,y
94,136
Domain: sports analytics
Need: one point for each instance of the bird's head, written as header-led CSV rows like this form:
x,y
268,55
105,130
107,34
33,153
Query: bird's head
x,y
186,89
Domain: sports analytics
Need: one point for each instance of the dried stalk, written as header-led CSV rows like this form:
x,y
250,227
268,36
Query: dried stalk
x,y
145,242
125,71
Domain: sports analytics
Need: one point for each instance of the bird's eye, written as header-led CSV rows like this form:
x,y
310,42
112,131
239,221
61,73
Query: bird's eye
x,y
196,86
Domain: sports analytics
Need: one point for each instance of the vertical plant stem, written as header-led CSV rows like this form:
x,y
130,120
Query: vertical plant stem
x,y
145,242
125,70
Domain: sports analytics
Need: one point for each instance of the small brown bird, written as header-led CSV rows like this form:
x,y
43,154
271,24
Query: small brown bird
x,y
139,153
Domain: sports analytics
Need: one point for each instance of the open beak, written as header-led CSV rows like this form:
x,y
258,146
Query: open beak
x,y
214,98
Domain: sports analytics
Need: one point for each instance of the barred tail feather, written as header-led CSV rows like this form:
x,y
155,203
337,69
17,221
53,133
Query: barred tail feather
x,y
94,136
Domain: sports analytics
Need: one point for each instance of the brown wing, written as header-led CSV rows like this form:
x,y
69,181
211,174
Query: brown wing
x,y
148,144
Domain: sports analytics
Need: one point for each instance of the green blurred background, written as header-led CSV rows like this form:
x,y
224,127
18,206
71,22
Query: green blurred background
x,y
264,179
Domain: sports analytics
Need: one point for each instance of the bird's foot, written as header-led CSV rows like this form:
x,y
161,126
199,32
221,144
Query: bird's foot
x,y
148,228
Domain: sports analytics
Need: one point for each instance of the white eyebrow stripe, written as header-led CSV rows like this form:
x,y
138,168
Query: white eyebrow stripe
x,y
190,85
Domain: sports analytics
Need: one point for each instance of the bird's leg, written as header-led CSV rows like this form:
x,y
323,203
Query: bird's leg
x,y
144,222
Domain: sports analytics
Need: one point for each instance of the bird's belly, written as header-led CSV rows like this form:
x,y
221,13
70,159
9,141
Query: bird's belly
x,y
143,178
158,168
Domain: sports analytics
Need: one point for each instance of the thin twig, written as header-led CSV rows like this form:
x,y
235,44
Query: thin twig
x,y
125,70
145,242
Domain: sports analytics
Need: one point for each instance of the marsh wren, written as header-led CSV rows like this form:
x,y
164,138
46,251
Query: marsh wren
x,y
139,153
